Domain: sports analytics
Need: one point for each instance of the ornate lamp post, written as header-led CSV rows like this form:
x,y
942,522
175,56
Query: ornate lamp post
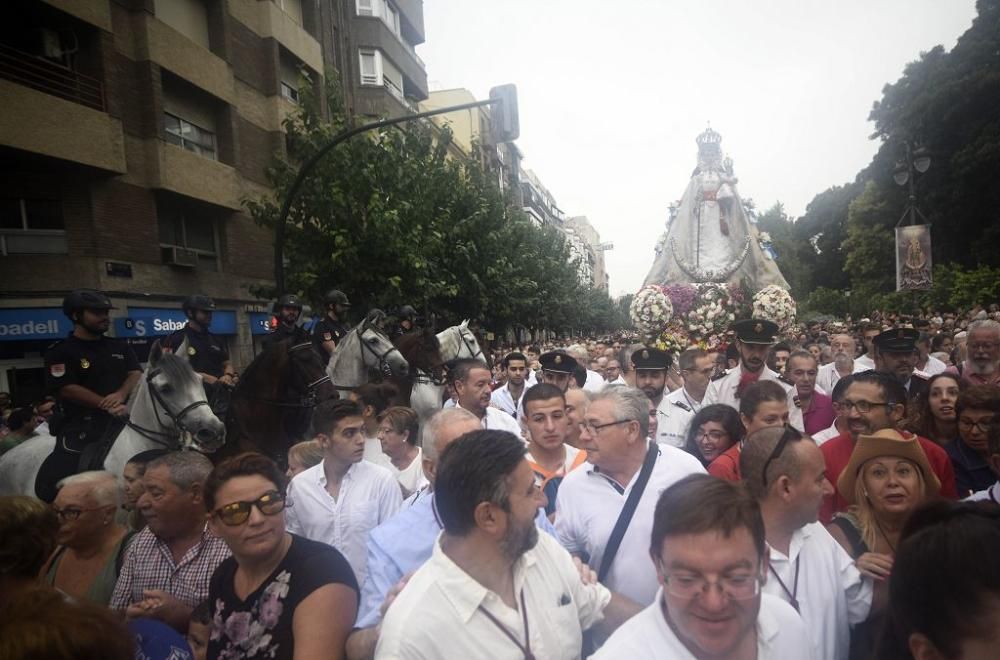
x,y
913,240
916,161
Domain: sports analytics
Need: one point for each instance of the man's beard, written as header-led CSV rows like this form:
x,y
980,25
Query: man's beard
x,y
518,540
653,393
982,367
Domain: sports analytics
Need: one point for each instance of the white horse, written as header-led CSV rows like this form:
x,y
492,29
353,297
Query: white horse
x,y
456,342
365,347
168,411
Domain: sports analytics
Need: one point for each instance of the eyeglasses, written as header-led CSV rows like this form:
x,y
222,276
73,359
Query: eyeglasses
x,y
704,372
238,513
983,346
592,429
72,513
983,425
862,405
791,434
714,435
733,587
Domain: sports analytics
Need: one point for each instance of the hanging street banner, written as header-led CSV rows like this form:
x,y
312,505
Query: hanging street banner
x,y
913,258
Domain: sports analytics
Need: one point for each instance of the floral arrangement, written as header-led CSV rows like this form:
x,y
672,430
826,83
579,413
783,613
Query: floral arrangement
x,y
682,296
712,312
651,310
672,341
774,304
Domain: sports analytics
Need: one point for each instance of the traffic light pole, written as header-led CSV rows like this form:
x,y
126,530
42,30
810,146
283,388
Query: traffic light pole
x,y
279,230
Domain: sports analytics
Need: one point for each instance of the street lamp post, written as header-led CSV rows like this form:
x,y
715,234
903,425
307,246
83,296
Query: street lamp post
x,y
916,161
909,275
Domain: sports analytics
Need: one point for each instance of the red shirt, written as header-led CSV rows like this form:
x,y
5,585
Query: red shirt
x,y
727,464
837,453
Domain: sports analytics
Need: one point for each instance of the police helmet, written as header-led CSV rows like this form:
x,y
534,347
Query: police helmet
x,y
288,300
198,302
336,297
85,299
407,312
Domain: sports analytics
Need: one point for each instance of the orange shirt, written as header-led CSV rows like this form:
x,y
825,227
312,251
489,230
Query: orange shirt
x,y
727,464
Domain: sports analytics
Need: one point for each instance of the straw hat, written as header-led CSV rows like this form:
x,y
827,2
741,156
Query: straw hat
x,y
887,442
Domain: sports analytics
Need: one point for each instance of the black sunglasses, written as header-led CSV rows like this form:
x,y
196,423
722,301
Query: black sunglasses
x,y
237,513
791,434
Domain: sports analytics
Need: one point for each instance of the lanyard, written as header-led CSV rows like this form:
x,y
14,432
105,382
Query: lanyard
x,y
793,601
526,647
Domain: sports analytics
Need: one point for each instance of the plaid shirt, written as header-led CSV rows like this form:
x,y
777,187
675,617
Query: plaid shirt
x,y
148,564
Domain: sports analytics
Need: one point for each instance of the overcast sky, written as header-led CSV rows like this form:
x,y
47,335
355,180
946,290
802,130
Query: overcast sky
x,y
613,94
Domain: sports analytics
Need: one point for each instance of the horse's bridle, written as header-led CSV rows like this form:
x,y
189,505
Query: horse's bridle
x,y
383,364
307,400
164,438
468,345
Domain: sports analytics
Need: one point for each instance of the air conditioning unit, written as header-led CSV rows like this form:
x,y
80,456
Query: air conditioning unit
x,y
178,256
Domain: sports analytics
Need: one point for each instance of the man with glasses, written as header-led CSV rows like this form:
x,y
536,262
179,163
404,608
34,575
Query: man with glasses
x,y
167,567
707,546
875,401
592,498
785,472
982,367
613,372
679,407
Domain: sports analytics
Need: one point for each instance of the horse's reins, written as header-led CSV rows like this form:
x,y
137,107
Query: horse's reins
x,y
176,419
308,400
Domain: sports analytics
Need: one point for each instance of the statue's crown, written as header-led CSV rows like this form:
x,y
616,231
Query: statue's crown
x,y
708,137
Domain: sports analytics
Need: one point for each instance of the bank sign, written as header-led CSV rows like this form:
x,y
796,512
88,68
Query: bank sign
x,y
33,323
157,322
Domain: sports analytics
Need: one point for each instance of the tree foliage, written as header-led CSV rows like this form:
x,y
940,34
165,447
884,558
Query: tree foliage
x,y
389,218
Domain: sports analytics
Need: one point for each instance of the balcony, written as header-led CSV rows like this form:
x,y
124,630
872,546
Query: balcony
x,y
194,176
268,20
176,53
50,78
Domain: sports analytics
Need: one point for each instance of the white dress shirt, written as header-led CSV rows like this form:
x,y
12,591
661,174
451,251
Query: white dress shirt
x,y
617,381
781,635
827,434
934,366
438,614
674,415
502,400
991,494
832,594
497,420
595,382
587,508
723,390
863,363
369,495
412,478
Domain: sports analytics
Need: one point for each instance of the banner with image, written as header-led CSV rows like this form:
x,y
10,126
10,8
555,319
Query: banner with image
x,y
913,258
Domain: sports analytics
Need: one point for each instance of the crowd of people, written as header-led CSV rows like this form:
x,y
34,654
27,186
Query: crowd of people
x,y
828,492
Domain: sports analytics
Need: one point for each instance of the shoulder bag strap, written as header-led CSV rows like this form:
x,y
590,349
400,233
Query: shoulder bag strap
x,y
625,517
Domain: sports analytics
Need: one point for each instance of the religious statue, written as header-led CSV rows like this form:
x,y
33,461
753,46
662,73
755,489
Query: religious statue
x,y
710,235
916,273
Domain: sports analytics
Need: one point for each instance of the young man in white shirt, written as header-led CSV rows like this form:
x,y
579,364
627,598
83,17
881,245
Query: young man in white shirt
x,y
494,588
507,398
546,424
343,498
472,380
710,555
785,472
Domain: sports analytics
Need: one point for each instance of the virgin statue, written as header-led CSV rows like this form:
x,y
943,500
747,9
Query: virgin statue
x,y
710,236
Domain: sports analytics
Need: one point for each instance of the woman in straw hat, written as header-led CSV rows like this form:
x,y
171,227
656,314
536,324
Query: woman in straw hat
x,y
887,477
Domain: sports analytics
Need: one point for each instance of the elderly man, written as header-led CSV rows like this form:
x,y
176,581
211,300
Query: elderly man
x,y
982,367
343,498
557,369
167,567
896,355
595,381
593,499
613,372
491,572
678,408
754,337
576,407
708,537
816,406
472,380
844,349
874,401
785,472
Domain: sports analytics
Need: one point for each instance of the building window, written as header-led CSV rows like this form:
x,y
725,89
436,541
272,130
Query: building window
x,y
289,92
382,9
190,230
31,226
193,138
378,71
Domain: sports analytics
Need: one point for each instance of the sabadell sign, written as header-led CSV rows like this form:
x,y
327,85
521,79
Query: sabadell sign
x,y
33,323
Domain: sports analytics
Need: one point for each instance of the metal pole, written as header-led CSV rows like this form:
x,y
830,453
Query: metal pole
x,y
279,230
911,174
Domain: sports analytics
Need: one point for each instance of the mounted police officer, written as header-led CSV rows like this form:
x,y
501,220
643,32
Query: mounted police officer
x,y
406,319
92,376
206,352
330,329
288,309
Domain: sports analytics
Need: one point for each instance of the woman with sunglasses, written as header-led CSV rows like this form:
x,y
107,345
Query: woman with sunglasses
x,y
887,478
714,429
279,595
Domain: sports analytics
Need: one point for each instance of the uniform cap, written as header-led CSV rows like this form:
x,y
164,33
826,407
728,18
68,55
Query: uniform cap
x,y
897,340
336,297
756,331
557,362
85,299
651,358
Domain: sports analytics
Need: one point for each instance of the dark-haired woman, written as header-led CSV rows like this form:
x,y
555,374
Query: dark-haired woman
x,y
375,398
934,416
279,595
714,429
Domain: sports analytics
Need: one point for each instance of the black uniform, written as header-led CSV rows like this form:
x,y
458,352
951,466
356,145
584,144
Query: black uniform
x,y
326,329
206,352
295,333
101,366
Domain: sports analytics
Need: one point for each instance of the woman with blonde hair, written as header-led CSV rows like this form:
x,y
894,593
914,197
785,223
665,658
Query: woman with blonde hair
x,y
302,456
887,478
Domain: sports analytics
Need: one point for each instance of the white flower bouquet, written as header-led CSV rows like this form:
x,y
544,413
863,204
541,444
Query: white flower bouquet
x,y
651,311
774,304
711,313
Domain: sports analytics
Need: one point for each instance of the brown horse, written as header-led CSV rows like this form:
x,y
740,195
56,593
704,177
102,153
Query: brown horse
x,y
271,407
422,352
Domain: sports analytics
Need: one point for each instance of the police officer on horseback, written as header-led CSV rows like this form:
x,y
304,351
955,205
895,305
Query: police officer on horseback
x,y
406,319
287,311
92,376
330,329
206,352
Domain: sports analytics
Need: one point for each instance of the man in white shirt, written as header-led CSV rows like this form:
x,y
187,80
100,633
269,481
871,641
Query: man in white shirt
x,y
678,408
472,385
343,498
613,373
507,398
494,588
926,362
844,349
592,497
786,473
711,558
866,362
546,424
595,381
754,338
